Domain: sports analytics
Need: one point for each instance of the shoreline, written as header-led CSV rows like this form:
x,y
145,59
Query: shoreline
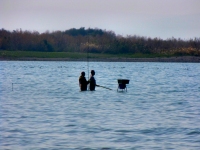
x,y
186,59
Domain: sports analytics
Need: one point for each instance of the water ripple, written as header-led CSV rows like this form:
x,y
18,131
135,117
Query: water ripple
x,y
46,110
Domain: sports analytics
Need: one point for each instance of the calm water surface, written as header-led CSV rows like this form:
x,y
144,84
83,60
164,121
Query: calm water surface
x,y
41,106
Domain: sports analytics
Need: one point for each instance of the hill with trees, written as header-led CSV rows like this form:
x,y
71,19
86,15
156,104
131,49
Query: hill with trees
x,y
94,41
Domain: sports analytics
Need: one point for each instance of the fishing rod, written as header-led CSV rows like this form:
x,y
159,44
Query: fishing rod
x,y
88,58
103,87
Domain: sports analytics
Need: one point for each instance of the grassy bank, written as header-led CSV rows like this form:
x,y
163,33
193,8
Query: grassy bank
x,y
72,55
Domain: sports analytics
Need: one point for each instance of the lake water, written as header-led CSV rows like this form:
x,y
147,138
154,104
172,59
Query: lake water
x,y
41,106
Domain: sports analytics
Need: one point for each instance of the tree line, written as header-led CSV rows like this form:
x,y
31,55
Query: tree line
x,y
94,41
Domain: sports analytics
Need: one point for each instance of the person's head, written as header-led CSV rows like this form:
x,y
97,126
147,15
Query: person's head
x,y
83,74
92,72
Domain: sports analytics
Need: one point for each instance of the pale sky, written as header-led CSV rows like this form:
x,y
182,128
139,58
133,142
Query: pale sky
x,y
151,18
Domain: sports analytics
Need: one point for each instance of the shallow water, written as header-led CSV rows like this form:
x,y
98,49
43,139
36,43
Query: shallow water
x,y
42,107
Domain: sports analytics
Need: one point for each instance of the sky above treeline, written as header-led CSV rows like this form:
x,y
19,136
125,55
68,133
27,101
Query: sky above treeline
x,y
150,18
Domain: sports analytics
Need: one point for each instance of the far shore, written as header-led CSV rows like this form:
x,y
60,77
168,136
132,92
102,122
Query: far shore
x,y
186,59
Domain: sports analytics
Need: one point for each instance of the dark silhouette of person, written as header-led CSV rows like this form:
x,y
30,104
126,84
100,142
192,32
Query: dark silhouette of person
x,y
83,82
92,81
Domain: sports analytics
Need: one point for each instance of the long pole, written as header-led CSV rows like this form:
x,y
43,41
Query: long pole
x,y
103,87
88,58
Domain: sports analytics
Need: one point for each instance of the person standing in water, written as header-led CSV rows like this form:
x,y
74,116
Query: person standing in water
x,y
83,82
92,81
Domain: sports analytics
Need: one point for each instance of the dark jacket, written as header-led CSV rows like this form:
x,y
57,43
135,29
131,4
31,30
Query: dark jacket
x,y
92,83
83,83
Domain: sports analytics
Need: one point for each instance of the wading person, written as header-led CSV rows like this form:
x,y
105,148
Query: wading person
x,y
83,82
92,81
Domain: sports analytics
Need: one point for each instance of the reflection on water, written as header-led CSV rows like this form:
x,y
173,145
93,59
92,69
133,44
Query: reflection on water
x,y
42,107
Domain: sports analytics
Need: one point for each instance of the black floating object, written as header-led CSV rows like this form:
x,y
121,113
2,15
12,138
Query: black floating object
x,y
122,84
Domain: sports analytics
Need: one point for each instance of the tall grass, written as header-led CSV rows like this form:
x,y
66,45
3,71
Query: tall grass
x,y
77,55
